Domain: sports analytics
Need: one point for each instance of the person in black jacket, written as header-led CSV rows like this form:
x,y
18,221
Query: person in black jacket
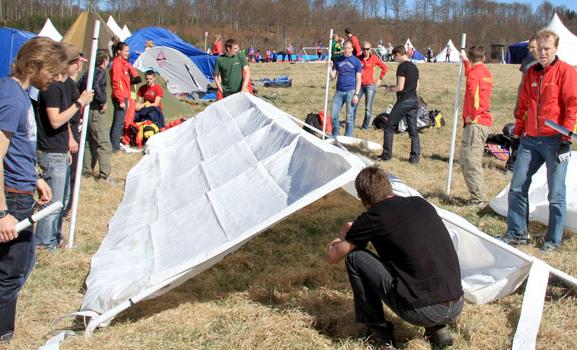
x,y
98,138
415,270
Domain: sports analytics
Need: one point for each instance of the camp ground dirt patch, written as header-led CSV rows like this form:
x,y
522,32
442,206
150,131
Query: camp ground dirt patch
x,y
277,292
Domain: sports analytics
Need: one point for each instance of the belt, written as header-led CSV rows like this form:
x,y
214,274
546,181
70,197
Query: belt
x,y
13,190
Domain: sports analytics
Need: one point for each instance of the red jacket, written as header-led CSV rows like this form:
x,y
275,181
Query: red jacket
x,y
217,48
120,73
548,93
477,104
356,46
368,72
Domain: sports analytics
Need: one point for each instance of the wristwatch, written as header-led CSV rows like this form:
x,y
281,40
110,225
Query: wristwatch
x,y
3,213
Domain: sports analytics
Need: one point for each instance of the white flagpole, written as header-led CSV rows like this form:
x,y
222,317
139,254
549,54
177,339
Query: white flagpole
x,y
328,83
85,115
455,117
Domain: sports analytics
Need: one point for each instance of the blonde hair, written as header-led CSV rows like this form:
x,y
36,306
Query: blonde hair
x,y
547,33
38,53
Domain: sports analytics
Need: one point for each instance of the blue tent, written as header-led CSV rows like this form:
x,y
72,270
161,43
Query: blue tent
x,y
517,52
418,56
163,37
10,42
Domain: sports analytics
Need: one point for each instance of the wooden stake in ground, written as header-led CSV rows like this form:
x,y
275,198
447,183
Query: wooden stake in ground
x,y
327,84
455,117
85,116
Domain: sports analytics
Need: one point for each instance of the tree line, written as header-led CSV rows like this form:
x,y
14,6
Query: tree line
x,y
274,23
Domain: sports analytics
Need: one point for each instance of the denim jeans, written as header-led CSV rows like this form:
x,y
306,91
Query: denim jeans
x,y
117,128
405,108
56,173
16,261
340,98
368,90
372,283
532,153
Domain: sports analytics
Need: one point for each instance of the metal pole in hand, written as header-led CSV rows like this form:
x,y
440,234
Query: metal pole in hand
x,y
455,116
328,83
85,115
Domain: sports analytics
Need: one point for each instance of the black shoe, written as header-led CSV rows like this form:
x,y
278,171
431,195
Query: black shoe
x,y
439,336
6,338
414,160
383,335
385,158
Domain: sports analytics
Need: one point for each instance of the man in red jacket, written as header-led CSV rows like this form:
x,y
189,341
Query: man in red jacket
x,y
548,93
368,84
356,44
121,72
477,121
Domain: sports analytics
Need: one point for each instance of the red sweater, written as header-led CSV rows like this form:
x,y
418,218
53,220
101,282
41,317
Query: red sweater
x,y
548,93
356,46
120,73
477,104
217,48
368,72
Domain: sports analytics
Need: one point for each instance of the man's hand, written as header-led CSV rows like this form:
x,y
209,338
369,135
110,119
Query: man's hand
x,y
378,83
72,145
86,97
564,152
515,141
463,55
44,192
345,229
104,108
355,99
122,105
8,229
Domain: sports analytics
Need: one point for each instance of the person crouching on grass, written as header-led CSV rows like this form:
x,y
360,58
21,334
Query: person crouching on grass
x,y
415,270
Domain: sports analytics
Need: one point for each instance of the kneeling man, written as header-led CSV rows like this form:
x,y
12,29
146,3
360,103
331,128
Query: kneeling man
x,y
415,270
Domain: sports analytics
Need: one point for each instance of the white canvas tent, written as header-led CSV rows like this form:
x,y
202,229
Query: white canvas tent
x,y
126,32
453,56
418,56
179,72
115,28
49,31
208,186
567,50
538,203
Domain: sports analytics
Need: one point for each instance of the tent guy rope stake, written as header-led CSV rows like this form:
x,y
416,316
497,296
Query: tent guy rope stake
x,y
455,116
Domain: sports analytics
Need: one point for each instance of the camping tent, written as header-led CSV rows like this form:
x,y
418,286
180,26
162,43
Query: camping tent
x,y
126,31
453,56
163,37
10,42
246,166
180,73
50,31
418,56
82,30
517,52
115,28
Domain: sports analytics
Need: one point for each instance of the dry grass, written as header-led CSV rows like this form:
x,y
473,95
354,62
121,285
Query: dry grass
x,y
277,292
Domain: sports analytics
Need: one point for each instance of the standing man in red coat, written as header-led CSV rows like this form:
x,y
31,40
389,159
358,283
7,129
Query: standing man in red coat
x,y
477,121
356,44
121,72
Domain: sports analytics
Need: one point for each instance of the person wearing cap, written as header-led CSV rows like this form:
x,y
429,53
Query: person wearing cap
x,y
355,41
57,105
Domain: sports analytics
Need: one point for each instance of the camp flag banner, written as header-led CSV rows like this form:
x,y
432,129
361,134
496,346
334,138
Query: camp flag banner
x,y
203,190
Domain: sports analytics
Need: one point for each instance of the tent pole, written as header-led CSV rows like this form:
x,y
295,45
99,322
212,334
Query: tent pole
x,y
455,117
328,83
85,116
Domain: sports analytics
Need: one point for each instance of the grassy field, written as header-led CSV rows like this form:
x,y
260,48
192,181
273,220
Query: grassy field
x,y
277,292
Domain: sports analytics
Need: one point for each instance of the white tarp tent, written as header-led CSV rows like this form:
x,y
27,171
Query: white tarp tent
x,y
538,203
115,28
49,31
208,186
126,31
453,55
180,73
567,50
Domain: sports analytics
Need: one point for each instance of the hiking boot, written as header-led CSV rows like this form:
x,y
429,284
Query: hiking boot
x,y
514,240
439,336
414,160
548,248
382,335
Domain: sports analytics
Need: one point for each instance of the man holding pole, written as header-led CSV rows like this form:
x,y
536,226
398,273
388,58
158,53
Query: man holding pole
x,y
548,93
477,121
38,63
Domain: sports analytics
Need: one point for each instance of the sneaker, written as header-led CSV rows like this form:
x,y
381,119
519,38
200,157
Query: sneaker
x,y
439,336
6,338
548,248
382,335
514,240
385,158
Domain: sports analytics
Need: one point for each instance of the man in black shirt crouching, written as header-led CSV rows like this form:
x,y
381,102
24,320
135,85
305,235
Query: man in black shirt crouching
x,y
415,271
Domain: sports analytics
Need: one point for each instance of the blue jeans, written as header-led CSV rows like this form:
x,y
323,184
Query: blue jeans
x,y
117,128
368,90
16,261
57,176
532,153
340,98
373,283
405,108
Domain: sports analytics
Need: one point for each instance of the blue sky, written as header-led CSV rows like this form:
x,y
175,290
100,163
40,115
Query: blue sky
x,y
570,4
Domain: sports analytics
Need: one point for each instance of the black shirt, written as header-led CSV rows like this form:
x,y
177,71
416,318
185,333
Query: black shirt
x,y
49,139
408,70
71,89
413,243
99,87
